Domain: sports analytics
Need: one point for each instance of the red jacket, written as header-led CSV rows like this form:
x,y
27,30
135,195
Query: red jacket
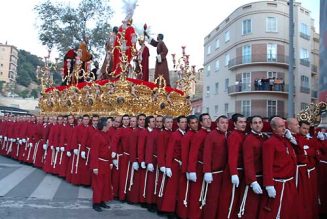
x,y
235,157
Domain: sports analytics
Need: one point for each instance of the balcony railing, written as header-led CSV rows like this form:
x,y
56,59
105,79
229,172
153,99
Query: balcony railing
x,y
304,36
305,90
305,62
258,58
314,69
314,94
247,87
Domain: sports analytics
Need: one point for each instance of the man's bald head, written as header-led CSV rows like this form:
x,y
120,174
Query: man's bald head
x,y
293,125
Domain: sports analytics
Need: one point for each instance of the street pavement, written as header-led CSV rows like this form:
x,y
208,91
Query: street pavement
x,y
28,193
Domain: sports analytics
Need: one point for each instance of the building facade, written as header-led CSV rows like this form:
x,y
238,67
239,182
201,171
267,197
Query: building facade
x,y
246,61
8,63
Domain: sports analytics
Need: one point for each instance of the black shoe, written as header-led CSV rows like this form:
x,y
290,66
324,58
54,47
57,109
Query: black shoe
x,y
97,207
152,208
104,205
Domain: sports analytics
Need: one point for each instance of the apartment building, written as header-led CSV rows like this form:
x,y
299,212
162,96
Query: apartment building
x,y
8,63
246,61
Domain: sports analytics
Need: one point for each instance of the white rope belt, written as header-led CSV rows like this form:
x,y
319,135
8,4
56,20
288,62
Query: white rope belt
x,y
242,206
103,159
204,190
88,155
178,161
156,181
118,155
282,194
233,196
126,180
323,161
297,173
309,171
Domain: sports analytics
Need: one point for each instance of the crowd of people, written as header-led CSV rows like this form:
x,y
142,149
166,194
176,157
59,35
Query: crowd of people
x,y
185,167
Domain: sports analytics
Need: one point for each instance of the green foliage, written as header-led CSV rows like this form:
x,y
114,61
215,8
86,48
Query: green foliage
x,y
26,68
24,93
34,93
61,26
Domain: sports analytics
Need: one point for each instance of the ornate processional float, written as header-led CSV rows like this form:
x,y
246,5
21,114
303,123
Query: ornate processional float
x,y
122,93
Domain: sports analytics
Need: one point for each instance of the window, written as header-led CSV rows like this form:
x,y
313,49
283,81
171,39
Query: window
x,y
304,106
271,24
271,108
226,108
271,74
304,81
304,29
217,44
246,107
246,81
226,84
217,65
246,54
208,50
246,26
208,70
216,88
227,36
271,52
227,58
304,57
216,109
208,91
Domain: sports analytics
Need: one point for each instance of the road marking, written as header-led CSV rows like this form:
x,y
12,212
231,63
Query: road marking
x,y
85,193
13,179
47,188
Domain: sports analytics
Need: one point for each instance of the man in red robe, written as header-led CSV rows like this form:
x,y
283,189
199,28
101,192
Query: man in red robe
x,y
182,200
195,167
173,167
100,160
234,184
279,164
214,164
143,60
252,158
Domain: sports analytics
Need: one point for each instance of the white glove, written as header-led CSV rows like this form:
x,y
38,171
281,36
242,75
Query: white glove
x,y
24,140
187,176
293,141
321,136
143,165
30,144
159,58
20,142
5,138
69,154
51,147
115,162
150,167
136,166
0,136
288,134
76,151
113,154
235,180
325,134
308,136
83,154
271,191
256,187
163,169
45,146
192,176
168,172
13,140
305,147
57,149
62,149
208,177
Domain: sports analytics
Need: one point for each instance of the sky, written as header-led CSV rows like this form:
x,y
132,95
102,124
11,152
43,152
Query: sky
x,y
183,22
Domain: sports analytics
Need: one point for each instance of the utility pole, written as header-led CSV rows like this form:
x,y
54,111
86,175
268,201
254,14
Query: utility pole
x,y
290,103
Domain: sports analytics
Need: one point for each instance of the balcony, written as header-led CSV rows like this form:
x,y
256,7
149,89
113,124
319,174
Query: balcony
x,y
246,88
305,90
314,69
305,62
304,36
258,59
314,94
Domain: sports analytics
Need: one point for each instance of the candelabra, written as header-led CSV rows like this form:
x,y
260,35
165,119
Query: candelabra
x,y
186,73
44,73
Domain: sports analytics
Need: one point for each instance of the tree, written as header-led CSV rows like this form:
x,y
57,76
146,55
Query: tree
x,y
61,26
